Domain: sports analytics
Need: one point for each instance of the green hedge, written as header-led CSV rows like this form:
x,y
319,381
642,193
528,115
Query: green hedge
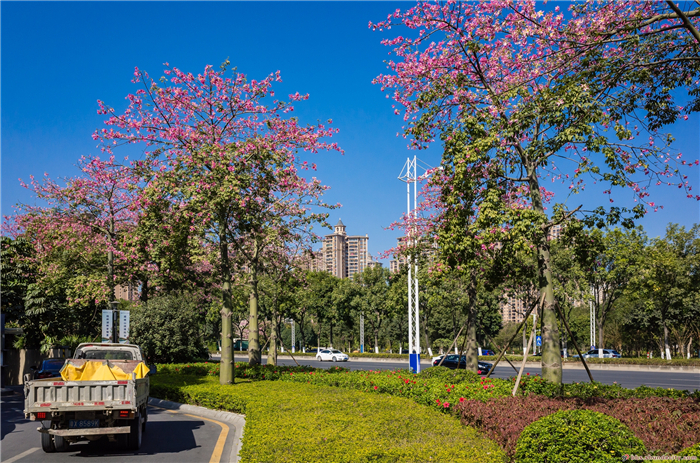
x,y
577,436
434,382
693,451
694,362
303,423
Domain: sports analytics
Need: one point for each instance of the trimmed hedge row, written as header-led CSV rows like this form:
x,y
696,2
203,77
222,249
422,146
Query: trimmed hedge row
x,y
530,384
301,423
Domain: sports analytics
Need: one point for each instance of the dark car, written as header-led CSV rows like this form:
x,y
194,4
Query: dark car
x,y
50,368
454,361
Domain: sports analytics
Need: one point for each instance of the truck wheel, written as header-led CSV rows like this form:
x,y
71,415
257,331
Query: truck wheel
x,y
135,434
61,444
47,443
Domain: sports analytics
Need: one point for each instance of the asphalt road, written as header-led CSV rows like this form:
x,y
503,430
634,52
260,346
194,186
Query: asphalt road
x,y
626,378
170,437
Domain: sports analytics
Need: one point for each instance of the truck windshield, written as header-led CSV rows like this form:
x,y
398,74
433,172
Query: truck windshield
x,y
104,355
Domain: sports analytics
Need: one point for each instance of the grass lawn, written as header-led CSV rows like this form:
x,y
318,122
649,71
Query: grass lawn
x,y
296,422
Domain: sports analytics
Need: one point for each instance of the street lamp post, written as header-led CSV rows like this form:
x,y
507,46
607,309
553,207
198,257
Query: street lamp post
x,y
409,175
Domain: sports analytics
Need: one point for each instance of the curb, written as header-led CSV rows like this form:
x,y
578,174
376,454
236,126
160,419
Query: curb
x,y
237,421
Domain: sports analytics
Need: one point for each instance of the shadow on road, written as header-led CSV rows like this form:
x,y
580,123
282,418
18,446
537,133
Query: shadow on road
x,y
12,407
168,436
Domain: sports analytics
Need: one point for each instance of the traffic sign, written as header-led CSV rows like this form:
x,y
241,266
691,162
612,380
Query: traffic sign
x,y
107,325
124,324
538,341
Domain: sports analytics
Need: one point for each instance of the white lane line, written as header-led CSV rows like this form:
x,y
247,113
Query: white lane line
x,y
21,455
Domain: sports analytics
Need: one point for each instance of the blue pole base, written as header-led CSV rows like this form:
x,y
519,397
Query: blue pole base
x,y
414,362
362,348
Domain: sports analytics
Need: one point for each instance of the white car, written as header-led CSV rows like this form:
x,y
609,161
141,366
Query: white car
x,y
332,355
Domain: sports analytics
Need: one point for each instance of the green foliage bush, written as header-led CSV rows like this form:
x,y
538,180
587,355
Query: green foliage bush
x,y
534,384
576,436
288,422
693,451
167,329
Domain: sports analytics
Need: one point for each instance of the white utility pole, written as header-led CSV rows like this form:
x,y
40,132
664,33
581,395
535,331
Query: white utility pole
x,y
293,337
362,332
409,174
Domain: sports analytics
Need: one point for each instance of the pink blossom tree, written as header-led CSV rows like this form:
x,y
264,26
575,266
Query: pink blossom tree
x,y
88,215
521,96
230,161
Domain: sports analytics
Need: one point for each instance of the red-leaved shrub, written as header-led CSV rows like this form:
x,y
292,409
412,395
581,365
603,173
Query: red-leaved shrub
x,y
665,425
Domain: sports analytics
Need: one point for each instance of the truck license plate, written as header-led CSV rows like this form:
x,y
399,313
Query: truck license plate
x,y
84,424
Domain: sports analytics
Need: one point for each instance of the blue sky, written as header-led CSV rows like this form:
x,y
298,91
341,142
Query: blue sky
x,y
59,58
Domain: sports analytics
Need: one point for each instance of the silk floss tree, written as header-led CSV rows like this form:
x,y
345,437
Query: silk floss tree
x,y
87,216
229,158
535,96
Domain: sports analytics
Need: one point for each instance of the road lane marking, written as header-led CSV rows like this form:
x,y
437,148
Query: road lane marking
x,y
21,455
219,447
220,443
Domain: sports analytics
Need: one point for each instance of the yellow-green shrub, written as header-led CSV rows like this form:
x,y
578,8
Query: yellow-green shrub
x,y
287,422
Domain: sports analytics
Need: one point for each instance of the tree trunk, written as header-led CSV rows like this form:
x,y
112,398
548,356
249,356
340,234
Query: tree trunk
x,y
600,322
226,371
667,349
551,358
425,336
254,356
272,354
471,352
110,264
143,297
330,338
376,341
472,347
301,333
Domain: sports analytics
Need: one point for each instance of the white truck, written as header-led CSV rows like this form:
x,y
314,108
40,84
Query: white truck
x,y
72,411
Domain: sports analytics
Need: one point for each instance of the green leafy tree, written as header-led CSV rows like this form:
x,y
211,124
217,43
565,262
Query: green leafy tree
x,y
372,299
610,269
317,300
169,329
665,284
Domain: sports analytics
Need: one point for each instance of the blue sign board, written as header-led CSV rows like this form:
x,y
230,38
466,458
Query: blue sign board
x,y
538,341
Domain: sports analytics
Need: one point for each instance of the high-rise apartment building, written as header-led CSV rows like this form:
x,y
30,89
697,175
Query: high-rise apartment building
x,y
345,255
428,253
127,292
313,260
